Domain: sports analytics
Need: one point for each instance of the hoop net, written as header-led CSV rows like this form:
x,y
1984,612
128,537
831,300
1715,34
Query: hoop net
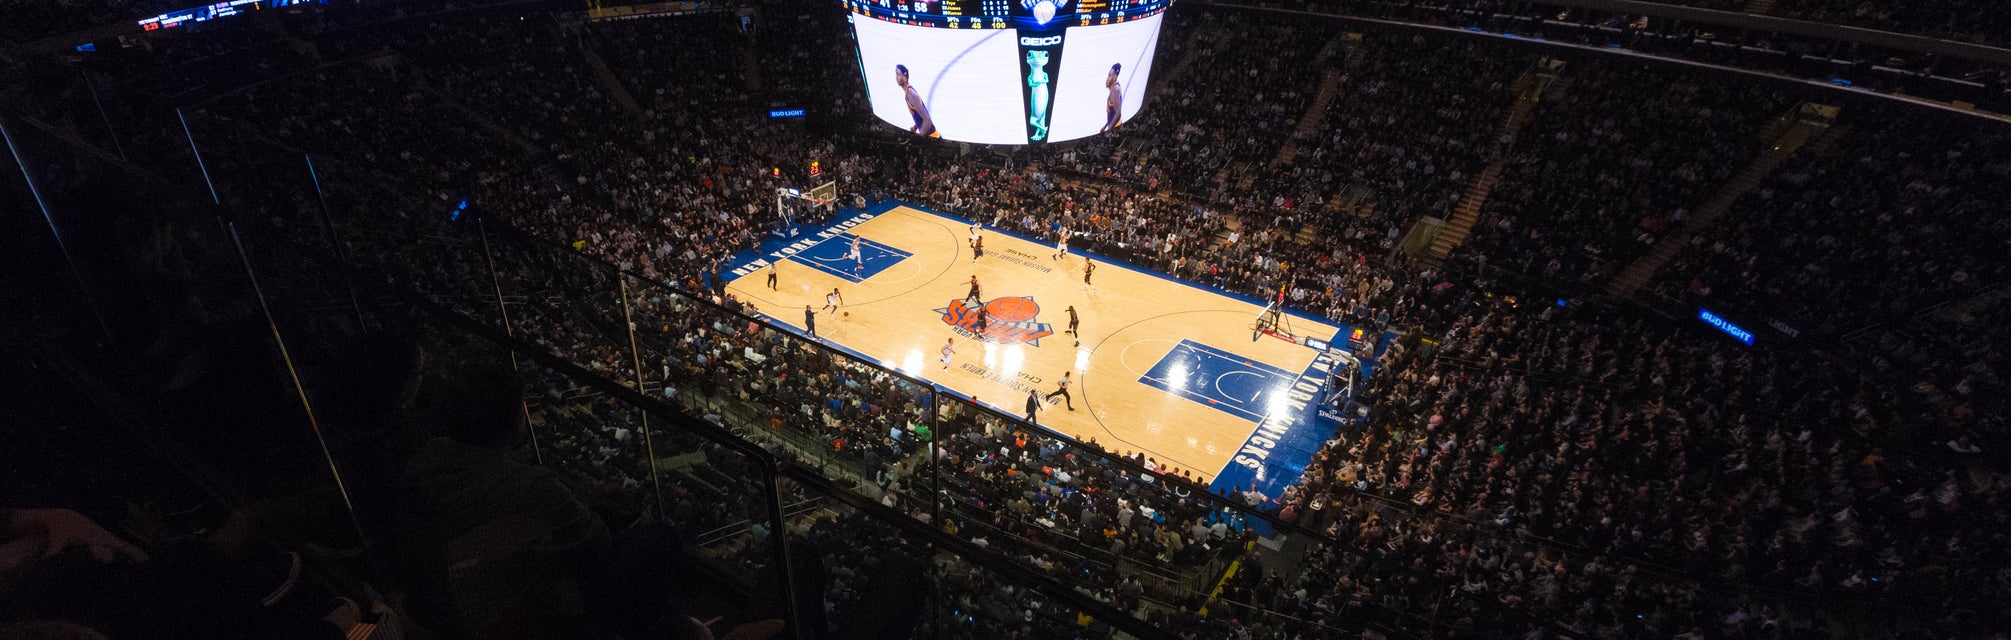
x,y
1273,322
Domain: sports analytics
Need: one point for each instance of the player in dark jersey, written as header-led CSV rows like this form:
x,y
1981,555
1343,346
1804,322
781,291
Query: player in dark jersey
x,y
1072,321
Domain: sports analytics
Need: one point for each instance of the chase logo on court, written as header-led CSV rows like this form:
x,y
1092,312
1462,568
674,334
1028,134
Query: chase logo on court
x,y
1009,320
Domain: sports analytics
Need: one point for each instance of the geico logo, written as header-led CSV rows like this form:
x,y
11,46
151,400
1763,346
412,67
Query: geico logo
x,y
1048,41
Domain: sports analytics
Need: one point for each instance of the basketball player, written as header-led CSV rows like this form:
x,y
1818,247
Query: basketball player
x,y
1061,245
1113,106
924,124
858,261
1088,268
832,299
771,276
984,321
1062,391
977,249
973,295
949,349
977,230
1071,326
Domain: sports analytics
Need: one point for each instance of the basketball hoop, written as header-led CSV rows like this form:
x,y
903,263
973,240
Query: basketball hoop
x,y
1273,321
824,195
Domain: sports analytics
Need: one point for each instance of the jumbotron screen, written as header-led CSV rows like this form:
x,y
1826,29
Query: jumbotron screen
x,y
1006,71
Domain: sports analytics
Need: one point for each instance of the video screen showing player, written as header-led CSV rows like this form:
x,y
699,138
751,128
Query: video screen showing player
x,y
916,109
943,83
1103,77
1113,106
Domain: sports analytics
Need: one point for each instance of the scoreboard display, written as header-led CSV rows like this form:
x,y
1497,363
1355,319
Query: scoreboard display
x,y
949,7
939,68
1004,14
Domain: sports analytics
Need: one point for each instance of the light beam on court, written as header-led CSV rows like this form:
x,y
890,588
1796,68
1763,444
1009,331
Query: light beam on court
x,y
1177,378
912,363
1082,361
991,355
1015,357
1279,403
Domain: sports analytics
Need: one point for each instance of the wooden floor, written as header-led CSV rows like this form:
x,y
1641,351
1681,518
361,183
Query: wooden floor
x,y
1128,324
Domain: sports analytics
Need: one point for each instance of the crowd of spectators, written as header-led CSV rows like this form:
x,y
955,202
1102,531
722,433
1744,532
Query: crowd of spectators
x,y
1413,136
1640,452
1908,215
793,48
1532,468
1975,21
1237,107
1963,20
1864,230
1612,159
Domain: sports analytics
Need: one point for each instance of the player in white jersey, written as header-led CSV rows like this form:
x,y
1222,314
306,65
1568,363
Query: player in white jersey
x,y
949,349
1113,106
1061,245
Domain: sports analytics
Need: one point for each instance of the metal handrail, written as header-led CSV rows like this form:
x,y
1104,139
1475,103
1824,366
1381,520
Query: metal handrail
x,y
717,534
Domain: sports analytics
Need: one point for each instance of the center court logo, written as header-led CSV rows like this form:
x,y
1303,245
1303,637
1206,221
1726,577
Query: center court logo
x,y
1011,320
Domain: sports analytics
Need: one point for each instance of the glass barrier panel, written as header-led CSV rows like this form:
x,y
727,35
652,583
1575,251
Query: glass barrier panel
x,y
558,302
1007,478
969,601
851,419
873,579
667,493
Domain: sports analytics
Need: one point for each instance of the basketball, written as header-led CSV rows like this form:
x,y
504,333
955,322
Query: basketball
x,y
1012,309
848,314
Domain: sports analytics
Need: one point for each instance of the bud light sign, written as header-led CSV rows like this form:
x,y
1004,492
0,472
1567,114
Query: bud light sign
x,y
1720,323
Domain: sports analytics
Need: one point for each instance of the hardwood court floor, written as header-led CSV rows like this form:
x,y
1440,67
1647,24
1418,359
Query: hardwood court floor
x,y
1147,340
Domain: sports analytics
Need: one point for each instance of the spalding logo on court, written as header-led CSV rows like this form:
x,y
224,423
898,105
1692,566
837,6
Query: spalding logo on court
x,y
1009,320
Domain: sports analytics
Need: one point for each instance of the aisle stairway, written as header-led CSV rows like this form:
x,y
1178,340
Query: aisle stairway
x,y
1316,115
750,65
1467,213
609,83
1814,135
1316,109
480,119
1530,90
1191,55
1190,51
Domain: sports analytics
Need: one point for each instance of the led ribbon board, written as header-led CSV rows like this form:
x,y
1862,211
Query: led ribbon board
x,y
212,11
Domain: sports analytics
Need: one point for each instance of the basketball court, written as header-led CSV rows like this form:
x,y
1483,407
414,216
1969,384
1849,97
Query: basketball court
x,y
1161,366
